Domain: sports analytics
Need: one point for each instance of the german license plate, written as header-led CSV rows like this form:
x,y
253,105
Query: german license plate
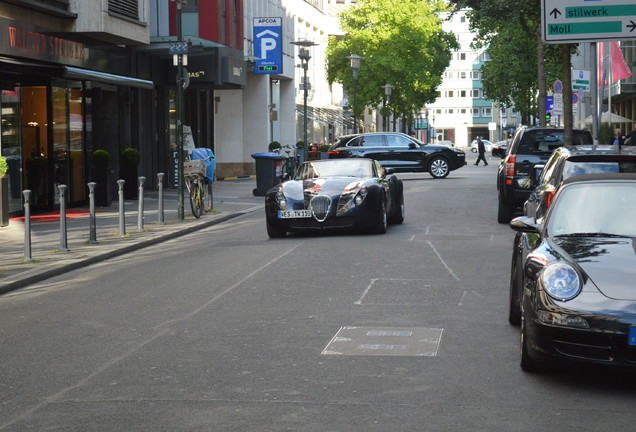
x,y
631,336
293,214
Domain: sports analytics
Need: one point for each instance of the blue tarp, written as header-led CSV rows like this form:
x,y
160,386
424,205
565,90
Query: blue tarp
x,y
207,156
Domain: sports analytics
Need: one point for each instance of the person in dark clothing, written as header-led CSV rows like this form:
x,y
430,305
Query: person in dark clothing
x,y
481,148
631,138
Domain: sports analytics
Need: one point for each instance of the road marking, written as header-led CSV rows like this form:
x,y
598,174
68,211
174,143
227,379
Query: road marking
x,y
442,260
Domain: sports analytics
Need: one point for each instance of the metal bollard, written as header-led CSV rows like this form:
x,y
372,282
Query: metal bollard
x,y
160,211
93,219
122,211
63,237
140,208
27,225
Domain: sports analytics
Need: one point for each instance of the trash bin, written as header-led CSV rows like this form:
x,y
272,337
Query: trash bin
x,y
268,170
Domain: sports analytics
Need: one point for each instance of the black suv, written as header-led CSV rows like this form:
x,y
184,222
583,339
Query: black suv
x,y
400,152
519,170
568,162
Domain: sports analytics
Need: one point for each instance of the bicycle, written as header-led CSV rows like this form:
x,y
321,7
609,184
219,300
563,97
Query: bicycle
x,y
290,165
194,178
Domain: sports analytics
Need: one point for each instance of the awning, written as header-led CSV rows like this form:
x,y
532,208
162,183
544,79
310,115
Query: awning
x,y
89,75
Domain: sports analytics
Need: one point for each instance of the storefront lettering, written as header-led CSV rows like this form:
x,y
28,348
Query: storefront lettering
x,y
44,44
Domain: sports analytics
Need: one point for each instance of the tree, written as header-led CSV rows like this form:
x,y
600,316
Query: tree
x,y
521,64
402,43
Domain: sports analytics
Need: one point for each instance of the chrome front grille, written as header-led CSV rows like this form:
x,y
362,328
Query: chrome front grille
x,y
319,206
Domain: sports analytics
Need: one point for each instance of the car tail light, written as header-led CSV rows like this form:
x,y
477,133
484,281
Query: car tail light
x,y
549,197
334,154
510,168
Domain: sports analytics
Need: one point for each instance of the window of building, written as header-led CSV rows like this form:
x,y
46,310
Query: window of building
x,y
462,110
438,111
462,75
475,75
486,112
485,56
462,18
475,93
450,93
475,112
462,93
449,75
127,8
461,56
451,111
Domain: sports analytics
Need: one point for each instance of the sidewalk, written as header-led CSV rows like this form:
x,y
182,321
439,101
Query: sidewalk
x,y
231,198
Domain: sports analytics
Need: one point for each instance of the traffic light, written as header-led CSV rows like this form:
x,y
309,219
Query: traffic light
x,y
548,115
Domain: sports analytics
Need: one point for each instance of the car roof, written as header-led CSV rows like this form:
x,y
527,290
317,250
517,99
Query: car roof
x,y
600,177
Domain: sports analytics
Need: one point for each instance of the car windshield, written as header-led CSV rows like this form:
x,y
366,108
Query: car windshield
x,y
604,208
336,168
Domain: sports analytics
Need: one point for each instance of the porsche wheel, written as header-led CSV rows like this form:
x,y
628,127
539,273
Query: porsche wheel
x,y
527,363
274,232
504,212
439,168
516,280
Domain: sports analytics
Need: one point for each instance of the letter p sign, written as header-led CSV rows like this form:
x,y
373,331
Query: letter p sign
x,y
267,45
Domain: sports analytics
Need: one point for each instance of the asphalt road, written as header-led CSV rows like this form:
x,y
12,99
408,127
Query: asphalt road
x,y
227,330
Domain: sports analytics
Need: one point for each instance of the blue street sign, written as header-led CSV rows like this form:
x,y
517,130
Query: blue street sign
x,y
268,37
549,103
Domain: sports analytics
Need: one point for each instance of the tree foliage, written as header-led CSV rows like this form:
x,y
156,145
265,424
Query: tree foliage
x,y
510,30
402,43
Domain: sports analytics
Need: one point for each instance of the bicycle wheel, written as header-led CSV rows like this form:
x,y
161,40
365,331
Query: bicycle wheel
x,y
196,198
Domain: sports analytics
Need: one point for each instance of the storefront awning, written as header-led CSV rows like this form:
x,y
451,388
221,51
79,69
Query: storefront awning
x,y
89,75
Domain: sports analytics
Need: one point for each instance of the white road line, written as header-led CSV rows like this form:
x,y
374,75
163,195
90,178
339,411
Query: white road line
x,y
359,302
442,260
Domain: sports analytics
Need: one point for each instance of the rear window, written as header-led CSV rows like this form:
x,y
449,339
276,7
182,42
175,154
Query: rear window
x,y
542,141
572,169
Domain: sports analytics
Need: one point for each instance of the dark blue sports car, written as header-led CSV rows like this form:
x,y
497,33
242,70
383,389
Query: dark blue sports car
x,y
335,194
572,284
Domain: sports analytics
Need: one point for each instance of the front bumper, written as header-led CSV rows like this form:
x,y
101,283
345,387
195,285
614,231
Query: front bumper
x,y
605,342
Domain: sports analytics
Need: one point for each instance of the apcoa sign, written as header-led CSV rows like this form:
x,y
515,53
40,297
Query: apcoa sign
x,y
268,36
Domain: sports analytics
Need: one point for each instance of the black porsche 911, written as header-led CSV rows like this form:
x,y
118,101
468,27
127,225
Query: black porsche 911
x,y
334,194
572,278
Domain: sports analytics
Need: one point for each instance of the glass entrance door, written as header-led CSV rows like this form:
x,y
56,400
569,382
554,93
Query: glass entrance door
x,y
35,145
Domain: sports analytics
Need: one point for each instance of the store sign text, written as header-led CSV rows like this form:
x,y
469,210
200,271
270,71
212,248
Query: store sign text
x,y
39,43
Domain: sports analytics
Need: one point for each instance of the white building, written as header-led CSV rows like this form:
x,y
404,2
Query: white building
x,y
461,113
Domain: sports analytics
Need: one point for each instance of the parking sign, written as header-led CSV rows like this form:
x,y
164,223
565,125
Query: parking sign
x,y
268,36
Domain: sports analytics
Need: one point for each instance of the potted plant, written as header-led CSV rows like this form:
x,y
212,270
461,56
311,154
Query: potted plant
x,y
101,176
324,151
4,192
274,146
129,168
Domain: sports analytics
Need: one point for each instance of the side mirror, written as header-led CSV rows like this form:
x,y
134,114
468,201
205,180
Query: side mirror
x,y
389,171
525,224
412,146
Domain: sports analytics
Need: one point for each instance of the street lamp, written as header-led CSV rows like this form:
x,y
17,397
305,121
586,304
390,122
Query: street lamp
x,y
180,54
304,56
355,67
387,92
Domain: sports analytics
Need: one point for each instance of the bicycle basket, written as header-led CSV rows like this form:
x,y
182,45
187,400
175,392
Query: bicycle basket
x,y
194,168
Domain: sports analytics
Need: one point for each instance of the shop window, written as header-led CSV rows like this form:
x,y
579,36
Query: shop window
x,y
127,8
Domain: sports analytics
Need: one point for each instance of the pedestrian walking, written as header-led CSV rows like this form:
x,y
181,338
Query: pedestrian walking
x,y
481,148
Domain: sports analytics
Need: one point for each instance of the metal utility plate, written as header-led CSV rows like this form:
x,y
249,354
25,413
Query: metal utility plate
x,y
385,341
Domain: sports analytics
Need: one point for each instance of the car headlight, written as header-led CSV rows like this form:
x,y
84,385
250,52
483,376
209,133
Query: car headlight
x,y
561,281
360,196
281,201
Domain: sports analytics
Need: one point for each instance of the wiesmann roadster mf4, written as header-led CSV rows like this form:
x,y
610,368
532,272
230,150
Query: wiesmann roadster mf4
x,y
335,194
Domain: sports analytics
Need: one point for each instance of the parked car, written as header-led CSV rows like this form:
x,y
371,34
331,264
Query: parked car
x,y
333,194
487,145
517,175
400,152
500,148
446,143
572,274
566,162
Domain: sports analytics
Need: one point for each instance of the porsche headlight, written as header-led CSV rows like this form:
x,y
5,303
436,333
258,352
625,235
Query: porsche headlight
x,y
281,201
561,281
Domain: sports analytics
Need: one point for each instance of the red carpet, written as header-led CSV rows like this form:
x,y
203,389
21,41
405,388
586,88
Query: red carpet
x,y
54,216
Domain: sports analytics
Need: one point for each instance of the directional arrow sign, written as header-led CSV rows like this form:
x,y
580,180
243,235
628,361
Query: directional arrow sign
x,y
573,21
